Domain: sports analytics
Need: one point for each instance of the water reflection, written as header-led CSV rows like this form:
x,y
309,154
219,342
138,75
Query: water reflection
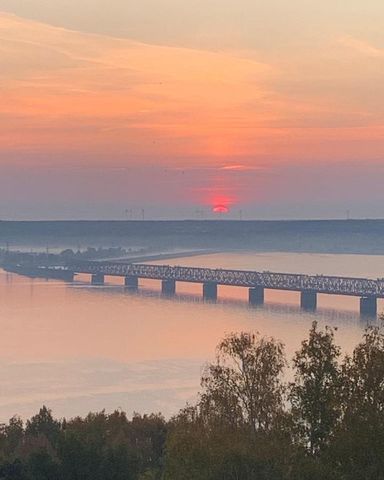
x,y
331,315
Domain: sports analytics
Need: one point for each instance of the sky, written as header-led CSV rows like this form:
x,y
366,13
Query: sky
x,y
267,109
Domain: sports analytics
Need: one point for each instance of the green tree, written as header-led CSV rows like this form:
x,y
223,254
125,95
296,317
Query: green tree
x,y
13,471
44,424
41,466
364,378
147,436
234,432
244,386
315,392
13,434
358,449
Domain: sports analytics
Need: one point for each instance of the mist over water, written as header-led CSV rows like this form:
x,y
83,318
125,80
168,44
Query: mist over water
x,y
77,347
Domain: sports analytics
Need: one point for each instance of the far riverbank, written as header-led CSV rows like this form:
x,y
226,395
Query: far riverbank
x,y
308,236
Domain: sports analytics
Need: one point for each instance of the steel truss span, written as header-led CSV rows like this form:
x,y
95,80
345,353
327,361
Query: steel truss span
x,y
360,287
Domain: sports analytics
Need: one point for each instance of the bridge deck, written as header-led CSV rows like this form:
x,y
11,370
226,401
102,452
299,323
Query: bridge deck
x,y
333,285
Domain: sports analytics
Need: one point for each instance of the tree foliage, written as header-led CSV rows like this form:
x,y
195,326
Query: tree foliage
x,y
244,385
97,447
315,393
359,438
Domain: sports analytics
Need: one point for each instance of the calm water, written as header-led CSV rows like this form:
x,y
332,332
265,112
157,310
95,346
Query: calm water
x,y
78,348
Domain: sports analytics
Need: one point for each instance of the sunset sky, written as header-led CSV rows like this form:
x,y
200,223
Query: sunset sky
x,y
274,108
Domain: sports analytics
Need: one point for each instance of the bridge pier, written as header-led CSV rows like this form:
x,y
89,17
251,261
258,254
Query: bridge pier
x,y
256,296
368,306
168,287
308,300
131,281
69,277
210,291
97,279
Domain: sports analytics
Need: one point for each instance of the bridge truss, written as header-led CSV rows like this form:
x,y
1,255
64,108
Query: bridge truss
x,y
333,285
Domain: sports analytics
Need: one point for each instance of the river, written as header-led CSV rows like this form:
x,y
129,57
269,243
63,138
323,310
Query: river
x,y
78,348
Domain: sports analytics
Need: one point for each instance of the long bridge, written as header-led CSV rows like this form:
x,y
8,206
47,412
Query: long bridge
x,y
309,286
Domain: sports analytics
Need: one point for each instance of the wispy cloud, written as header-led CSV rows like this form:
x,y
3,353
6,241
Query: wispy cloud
x,y
238,167
88,91
362,47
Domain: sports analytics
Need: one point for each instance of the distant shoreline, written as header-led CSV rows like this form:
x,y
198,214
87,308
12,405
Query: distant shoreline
x,y
306,236
194,220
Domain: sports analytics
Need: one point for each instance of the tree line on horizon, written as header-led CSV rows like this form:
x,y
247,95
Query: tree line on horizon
x,y
249,423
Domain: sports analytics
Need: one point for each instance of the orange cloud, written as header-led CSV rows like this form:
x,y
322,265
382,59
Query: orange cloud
x,y
121,102
86,89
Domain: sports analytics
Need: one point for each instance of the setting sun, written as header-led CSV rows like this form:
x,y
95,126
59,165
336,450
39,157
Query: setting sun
x,y
220,209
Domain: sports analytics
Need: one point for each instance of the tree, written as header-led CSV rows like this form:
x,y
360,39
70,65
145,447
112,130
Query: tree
x,y
41,466
13,435
315,392
234,430
147,435
13,471
44,424
364,378
244,386
358,449
198,449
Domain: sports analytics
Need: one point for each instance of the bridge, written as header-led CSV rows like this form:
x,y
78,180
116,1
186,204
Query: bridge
x,y
309,286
